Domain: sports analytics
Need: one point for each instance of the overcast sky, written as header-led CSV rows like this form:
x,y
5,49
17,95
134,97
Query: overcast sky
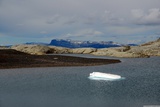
x,y
123,21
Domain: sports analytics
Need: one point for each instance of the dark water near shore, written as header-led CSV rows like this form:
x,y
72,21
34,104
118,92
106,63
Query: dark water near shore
x,y
70,86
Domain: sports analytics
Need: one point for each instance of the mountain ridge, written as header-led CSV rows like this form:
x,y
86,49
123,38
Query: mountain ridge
x,y
145,50
85,44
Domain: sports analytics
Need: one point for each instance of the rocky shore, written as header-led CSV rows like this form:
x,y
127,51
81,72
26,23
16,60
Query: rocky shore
x,y
23,55
10,58
144,50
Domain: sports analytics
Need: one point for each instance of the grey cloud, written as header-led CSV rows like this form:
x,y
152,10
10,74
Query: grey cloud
x,y
90,21
84,33
152,17
71,20
106,18
157,33
114,21
110,18
54,19
0,2
34,17
92,18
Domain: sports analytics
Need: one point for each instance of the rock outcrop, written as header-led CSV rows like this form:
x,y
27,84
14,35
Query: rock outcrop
x,y
41,49
83,50
118,52
60,50
150,48
4,47
144,50
32,49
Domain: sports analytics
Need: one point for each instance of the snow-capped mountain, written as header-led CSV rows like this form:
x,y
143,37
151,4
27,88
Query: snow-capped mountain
x,y
80,44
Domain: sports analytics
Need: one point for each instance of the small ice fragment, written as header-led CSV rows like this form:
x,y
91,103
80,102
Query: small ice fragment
x,y
103,76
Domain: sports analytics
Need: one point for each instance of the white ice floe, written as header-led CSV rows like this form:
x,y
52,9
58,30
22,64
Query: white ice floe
x,y
103,76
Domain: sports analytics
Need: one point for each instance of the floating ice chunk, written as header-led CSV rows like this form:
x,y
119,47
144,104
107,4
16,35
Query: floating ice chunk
x,y
103,76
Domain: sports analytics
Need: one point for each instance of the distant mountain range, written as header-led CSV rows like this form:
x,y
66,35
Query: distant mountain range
x,y
144,50
36,43
80,44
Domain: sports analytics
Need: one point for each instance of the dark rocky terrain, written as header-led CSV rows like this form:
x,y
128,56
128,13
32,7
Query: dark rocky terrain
x,y
14,59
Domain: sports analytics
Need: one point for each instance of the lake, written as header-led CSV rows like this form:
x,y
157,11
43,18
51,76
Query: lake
x,y
71,87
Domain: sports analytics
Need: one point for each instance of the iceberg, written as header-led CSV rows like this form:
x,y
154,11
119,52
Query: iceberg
x,y
103,76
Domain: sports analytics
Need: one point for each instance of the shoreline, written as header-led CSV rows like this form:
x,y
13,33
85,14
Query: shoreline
x,y
10,58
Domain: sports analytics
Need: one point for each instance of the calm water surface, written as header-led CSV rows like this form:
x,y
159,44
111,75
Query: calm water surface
x,y
70,86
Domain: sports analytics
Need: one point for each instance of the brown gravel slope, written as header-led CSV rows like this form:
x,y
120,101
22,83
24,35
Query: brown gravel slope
x,y
14,59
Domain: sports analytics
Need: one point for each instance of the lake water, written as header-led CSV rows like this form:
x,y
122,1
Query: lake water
x,y
70,86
